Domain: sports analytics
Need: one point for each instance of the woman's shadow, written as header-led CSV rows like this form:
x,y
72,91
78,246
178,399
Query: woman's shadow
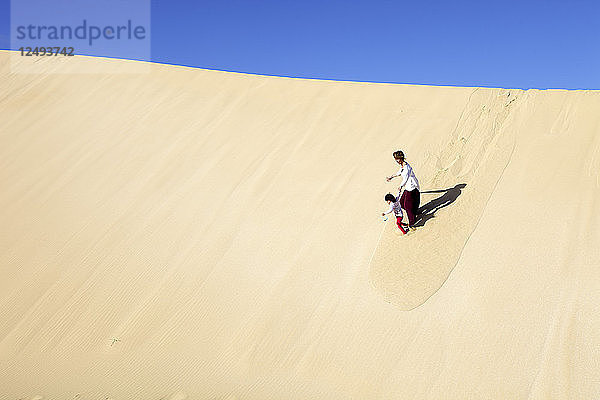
x,y
427,211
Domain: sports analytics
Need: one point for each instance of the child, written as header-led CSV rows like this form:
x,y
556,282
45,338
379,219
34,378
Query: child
x,y
395,207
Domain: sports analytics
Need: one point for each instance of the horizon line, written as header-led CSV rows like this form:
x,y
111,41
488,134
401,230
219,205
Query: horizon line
x,y
324,79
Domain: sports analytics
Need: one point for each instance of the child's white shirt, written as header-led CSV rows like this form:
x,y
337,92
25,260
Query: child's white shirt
x,y
395,207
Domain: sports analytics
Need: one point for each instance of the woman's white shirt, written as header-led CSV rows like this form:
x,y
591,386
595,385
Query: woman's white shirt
x,y
409,180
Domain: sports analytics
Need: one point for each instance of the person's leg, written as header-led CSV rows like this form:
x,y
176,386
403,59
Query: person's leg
x,y
399,223
416,201
409,207
403,200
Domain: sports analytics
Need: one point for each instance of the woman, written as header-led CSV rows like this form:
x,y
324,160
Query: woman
x,y
411,197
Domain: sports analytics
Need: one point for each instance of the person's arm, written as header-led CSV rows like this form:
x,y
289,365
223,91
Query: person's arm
x,y
399,173
389,210
404,173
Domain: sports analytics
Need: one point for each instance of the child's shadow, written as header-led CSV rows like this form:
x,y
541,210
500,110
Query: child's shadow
x,y
427,211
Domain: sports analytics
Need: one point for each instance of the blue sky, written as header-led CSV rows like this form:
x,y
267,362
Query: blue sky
x,y
517,44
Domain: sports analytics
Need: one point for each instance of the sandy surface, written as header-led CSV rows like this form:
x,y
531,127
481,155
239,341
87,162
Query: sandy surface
x,y
190,234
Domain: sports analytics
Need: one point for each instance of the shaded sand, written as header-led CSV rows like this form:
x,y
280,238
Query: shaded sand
x,y
192,234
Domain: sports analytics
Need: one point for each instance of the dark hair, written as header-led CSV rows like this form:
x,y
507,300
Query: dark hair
x,y
399,155
390,197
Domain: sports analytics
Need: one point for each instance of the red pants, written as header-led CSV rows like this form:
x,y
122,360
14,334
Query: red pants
x,y
399,223
410,200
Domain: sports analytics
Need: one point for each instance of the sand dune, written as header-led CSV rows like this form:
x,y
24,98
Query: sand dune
x,y
192,234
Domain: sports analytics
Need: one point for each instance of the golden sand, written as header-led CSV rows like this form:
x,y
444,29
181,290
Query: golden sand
x,y
188,234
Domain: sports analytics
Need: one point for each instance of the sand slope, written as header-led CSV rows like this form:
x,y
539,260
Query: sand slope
x,y
480,147
192,234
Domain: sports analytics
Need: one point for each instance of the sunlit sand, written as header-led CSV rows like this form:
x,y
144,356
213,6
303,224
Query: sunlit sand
x,y
190,234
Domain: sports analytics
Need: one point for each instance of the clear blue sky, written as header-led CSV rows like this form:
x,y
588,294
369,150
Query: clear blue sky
x,y
509,43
